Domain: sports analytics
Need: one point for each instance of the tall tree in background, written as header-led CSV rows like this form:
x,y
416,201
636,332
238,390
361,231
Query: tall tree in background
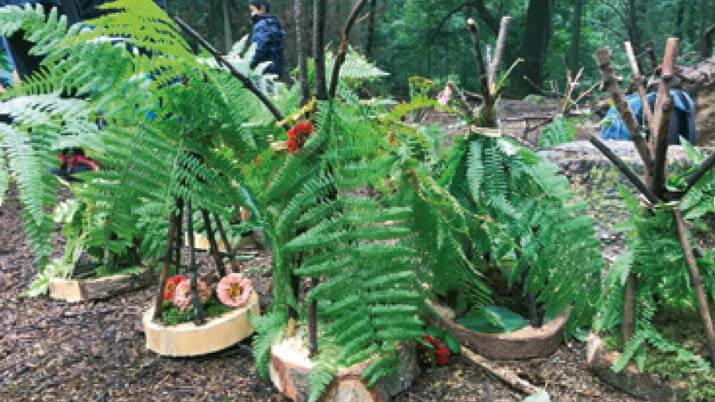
x,y
534,45
369,43
321,89
575,49
302,49
228,34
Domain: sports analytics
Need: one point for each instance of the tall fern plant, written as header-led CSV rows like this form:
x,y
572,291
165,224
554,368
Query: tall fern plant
x,y
173,127
324,225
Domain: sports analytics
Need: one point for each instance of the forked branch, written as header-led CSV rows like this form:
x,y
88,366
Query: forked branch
x,y
343,50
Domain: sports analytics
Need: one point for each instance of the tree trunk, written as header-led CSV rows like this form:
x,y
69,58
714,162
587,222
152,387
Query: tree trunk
x,y
575,37
227,26
534,45
321,88
371,29
302,49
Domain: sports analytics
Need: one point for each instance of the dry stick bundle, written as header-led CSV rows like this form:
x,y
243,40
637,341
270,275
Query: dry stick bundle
x,y
654,188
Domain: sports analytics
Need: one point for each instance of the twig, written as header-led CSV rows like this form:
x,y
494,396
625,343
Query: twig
x,y
696,282
603,56
302,50
193,270
343,50
213,245
237,74
507,376
498,54
632,177
639,81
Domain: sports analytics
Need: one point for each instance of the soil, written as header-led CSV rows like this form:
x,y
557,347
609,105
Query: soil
x,y
54,351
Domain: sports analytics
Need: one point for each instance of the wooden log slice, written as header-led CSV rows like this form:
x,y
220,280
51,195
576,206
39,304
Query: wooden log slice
x,y
290,368
629,380
82,290
187,339
525,343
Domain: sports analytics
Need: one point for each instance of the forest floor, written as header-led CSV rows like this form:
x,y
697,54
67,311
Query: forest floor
x,y
54,351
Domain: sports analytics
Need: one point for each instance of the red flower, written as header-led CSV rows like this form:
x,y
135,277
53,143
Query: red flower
x,y
441,351
170,287
298,135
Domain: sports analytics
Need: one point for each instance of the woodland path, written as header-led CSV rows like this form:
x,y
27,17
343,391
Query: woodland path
x,y
53,351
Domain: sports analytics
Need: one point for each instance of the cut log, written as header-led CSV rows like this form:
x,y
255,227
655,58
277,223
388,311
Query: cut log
x,y
291,366
83,290
525,343
629,380
188,339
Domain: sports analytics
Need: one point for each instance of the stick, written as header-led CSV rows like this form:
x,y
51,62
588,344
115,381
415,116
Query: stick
x,y
639,81
237,74
321,90
302,49
697,282
629,297
704,168
498,54
229,247
479,58
661,118
193,270
603,56
213,246
313,321
343,51
632,177
165,267
506,375
179,233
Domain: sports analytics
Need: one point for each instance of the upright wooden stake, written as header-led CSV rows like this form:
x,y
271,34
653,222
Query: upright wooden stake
x,y
639,81
313,322
697,282
229,247
629,297
495,64
302,49
158,298
661,118
213,245
193,269
179,234
603,57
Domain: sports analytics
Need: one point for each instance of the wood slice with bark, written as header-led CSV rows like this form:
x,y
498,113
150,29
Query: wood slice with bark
x,y
83,290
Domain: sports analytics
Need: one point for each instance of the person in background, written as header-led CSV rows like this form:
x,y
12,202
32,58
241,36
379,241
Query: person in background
x,y
268,36
8,73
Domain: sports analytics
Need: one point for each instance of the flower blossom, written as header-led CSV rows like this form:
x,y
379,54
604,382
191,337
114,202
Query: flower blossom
x,y
233,290
170,287
445,95
298,135
182,295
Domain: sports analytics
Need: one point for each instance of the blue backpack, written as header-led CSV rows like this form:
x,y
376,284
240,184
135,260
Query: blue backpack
x,y
682,120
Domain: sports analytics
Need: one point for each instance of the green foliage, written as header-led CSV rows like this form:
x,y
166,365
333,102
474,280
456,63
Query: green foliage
x,y
173,127
270,328
531,230
172,315
493,319
656,259
559,131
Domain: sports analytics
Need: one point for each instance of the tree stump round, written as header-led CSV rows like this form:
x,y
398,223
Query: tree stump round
x,y
291,366
525,343
83,290
629,380
187,339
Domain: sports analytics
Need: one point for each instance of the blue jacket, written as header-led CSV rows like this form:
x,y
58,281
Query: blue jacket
x,y
269,37
9,64
682,120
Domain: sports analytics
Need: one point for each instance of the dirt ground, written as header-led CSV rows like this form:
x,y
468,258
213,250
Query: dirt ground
x,y
54,351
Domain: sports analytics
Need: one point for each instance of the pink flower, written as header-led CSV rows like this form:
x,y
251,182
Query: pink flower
x,y
233,290
182,294
444,95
